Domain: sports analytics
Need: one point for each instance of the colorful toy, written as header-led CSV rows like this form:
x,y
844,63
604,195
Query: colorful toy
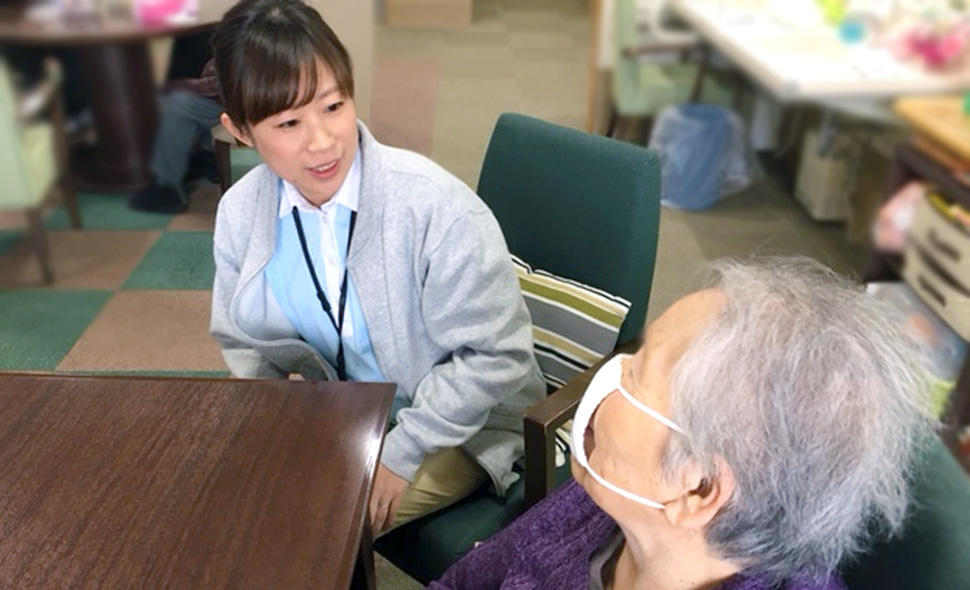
x,y
157,11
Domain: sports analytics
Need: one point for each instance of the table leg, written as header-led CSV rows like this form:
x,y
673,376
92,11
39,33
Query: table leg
x,y
125,109
364,577
698,91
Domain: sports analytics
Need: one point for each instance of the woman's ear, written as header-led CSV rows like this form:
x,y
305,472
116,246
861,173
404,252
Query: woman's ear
x,y
704,496
241,135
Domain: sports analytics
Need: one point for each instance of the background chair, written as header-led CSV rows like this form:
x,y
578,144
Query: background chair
x,y
652,69
33,157
933,552
580,206
233,160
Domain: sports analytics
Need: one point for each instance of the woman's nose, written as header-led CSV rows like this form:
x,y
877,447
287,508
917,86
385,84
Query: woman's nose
x,y
321,139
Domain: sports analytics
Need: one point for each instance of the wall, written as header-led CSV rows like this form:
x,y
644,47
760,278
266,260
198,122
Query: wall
x,y
353,21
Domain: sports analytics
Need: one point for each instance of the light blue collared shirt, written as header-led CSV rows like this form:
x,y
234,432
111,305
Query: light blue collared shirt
x,y
327,229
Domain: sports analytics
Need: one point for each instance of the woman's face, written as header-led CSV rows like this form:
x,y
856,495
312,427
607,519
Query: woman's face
x,y
312,147
624,444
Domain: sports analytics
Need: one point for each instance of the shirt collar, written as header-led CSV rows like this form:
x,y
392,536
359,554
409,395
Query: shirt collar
x,y
347,195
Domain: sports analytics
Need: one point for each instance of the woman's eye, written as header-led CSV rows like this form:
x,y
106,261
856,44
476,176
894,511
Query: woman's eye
x,y
334,107
288,124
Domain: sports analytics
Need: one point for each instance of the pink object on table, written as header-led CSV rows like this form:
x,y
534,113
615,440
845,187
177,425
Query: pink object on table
x,y
157,11
938,48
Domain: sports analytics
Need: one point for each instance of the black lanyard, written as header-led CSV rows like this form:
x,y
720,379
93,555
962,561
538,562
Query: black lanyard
x,y
338,323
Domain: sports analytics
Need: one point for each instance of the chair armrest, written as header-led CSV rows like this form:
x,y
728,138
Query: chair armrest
x,y
661,47
43,97
541,422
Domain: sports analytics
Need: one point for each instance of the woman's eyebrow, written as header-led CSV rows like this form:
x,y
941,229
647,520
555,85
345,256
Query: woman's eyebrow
x,y
327,92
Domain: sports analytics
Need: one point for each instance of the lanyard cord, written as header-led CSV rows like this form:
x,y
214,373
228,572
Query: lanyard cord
x,y
338,323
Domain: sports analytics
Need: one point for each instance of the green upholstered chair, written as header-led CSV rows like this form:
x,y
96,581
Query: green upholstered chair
x,y
33,156
933,553
580,206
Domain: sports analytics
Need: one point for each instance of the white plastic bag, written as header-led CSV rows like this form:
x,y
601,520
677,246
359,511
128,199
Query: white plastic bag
x,y
704,155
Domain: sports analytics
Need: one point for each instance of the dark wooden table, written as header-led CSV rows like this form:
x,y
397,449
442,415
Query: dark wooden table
x,y
186,483
121,89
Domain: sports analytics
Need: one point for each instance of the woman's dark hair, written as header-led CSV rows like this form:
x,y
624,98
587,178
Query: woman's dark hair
x,y
262,50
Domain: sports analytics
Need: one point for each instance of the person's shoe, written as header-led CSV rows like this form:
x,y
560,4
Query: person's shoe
x,y
158,198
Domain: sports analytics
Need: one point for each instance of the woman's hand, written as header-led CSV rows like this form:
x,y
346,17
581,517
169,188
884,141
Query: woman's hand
x,y
385,499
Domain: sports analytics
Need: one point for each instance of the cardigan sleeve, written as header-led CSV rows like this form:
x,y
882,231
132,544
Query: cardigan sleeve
x,y
471,305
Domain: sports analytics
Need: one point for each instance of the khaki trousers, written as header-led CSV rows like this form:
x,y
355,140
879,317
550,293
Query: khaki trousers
x,y
444,477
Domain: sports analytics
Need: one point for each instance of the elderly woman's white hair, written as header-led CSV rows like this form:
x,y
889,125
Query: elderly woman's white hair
x,y
815,396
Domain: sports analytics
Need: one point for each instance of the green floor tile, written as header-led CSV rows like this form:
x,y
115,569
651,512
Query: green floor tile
x,y
178,260
37,328
9,239
108,211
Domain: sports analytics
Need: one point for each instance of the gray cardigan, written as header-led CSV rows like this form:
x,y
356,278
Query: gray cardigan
x,y
438,292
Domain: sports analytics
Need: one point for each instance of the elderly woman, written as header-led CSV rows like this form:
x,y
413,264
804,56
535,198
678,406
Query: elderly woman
x,y
764,427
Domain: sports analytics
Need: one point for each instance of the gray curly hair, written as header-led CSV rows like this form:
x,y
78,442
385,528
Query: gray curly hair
x,y
815,396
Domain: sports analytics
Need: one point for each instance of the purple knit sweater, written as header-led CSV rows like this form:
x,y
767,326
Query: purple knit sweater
x,y
549,547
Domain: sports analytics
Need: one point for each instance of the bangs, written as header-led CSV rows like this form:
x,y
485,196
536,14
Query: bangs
x,y
266,54
277,77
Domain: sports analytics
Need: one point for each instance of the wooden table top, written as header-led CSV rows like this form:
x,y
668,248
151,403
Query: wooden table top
x,y
15,30
939,118
184,483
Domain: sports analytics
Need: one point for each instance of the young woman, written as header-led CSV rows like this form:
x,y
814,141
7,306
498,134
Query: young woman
x,y
342,258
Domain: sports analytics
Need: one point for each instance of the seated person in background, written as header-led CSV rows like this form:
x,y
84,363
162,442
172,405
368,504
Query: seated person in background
x,y
341,258
763,426
190,109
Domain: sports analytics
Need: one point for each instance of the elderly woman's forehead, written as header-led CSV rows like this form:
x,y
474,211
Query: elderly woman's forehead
x,y
669,336
689,314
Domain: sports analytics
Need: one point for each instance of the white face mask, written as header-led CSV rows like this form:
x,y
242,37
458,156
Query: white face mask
x,y
605,382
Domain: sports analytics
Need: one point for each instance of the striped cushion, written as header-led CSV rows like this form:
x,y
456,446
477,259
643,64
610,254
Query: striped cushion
x,y
574,325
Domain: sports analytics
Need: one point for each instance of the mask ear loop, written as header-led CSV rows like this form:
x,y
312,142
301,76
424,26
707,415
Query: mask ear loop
x,y
652,413
618,490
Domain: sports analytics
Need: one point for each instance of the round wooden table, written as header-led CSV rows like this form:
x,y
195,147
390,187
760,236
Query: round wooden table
x,y
118,70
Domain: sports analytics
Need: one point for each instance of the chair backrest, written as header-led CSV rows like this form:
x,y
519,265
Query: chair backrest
x,y
18,190
581,206
933,552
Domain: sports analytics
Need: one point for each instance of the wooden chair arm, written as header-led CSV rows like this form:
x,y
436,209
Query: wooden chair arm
x,y
661,47
541,422
43,98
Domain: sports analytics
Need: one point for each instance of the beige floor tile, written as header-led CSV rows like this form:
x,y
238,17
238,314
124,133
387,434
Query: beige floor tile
x,y
560,107
483,38
408,43
551,71
533,19
552,89
477,90
475,53
149,330
201,215
482,69
83,259
541,39
12,220
405,100
540,54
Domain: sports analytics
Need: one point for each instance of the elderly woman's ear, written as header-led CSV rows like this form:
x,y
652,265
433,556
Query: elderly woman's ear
x,y
703,497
